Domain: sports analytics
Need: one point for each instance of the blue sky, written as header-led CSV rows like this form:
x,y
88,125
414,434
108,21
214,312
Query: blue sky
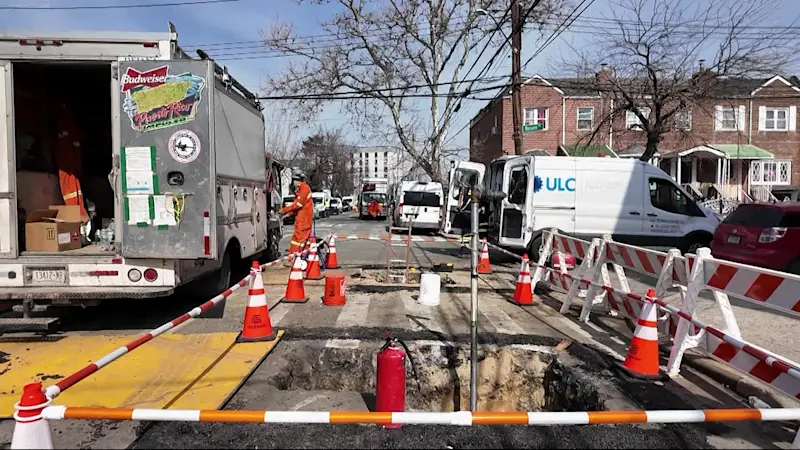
x,y
213,25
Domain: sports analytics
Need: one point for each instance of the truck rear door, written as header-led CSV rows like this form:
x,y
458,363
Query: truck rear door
x,y
8,201
460,173
516,211
166,164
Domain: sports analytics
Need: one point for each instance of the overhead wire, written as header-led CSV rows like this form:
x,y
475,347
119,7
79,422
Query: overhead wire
x,y
115,6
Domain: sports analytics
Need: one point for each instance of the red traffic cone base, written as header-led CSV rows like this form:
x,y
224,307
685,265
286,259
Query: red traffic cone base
x,y
334,291
257,325
642,359
295,293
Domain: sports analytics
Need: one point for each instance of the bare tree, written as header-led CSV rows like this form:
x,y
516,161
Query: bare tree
x,y
665,56
327,158
393,52
280,133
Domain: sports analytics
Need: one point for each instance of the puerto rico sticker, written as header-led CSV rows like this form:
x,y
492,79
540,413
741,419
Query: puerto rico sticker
x,y
154,99
184,146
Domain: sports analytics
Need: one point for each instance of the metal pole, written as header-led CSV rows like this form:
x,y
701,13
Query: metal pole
x,y
516,82
473,359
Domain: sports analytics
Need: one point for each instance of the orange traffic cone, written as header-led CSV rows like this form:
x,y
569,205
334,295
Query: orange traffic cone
x,y
257,325
313,270
295,293
31,431
483,258
332,262
523,294
642,359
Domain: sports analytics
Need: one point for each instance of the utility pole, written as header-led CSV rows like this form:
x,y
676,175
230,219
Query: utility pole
x,y
516,82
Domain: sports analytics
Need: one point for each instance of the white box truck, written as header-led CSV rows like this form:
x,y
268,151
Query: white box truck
x,y
173,159
634,201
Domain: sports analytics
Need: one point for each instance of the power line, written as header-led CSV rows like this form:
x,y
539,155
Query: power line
x,y
557,33
107,7
360,95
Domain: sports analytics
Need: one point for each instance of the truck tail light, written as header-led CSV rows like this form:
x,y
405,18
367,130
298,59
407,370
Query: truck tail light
x,y
151,275
134,275
771,235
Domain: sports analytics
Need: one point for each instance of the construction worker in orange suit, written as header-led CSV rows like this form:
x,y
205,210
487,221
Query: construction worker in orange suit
x,y
68,159
303,210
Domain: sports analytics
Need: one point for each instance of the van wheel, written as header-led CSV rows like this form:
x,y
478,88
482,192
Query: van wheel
x,y
794,267
693,243
535,248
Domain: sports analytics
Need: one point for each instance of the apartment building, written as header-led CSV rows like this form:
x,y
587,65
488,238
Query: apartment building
x,y
383,162
743,139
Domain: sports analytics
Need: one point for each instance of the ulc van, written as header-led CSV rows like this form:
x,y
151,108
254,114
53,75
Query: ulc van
x,y
634,201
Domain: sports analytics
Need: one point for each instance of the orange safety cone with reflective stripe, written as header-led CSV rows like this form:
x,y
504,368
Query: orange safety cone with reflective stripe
x,y
483,258
295,293
313,271
332,261
31,430
642,358
523,294
257,325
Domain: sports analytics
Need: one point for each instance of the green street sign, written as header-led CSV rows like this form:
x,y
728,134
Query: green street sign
x,y
531,127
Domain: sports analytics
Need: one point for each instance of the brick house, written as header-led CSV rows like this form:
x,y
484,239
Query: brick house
x,y
744,141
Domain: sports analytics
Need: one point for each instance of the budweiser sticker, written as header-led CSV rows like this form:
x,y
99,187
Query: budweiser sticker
x,y
154,99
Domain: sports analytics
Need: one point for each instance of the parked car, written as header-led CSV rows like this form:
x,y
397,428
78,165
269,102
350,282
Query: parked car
x,y
336,206
761,234
420,204
347,203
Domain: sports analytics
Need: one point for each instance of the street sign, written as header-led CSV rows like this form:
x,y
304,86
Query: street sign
x,y
531,127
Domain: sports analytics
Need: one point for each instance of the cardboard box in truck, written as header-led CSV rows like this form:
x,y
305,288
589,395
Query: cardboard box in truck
x,y
55,229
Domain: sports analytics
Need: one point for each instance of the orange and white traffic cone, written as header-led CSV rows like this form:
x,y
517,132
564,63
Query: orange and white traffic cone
x,y
295,293
257,325
332,261
483,258
31,430
313,270
642,359
523,294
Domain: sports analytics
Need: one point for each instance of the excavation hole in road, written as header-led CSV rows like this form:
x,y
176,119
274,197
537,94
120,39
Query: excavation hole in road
x,y
511,377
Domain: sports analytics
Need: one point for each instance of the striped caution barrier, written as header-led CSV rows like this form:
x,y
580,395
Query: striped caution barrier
x,y
692,274
458,418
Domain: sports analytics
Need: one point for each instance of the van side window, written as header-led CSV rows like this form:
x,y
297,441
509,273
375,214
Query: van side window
x,y
667,197
517,186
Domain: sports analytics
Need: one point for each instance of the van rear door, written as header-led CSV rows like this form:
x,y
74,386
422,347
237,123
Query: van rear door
x,y
8,168
459,174
516,217
166,164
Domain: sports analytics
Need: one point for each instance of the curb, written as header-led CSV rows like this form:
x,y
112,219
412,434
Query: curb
x,y
738,382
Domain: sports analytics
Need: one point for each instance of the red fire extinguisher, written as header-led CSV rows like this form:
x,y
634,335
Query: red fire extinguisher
x,y
390,383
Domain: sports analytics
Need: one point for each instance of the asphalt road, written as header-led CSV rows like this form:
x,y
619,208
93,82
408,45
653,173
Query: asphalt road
x,y
371,311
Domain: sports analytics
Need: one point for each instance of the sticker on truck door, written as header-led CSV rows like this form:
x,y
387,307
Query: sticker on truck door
x,y
155,100
184,146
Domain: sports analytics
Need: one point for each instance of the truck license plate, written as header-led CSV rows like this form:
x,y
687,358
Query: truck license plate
x,y
734,239
49,276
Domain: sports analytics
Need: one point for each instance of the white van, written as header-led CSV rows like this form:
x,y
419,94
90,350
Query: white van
x,y
319,199
634,201
419,203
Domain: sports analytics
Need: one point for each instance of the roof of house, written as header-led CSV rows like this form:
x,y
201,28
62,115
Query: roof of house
x,y
585,150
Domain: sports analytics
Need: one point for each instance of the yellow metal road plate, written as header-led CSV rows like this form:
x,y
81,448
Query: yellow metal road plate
x,y
160,374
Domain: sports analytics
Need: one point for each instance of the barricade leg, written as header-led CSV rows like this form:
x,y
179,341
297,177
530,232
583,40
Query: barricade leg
x,y
597,277
796,443
684,340
586,265
547,246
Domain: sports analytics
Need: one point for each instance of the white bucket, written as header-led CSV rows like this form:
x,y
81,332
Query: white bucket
x,y
430,286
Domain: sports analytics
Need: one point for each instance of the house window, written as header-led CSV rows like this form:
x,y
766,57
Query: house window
x,y
729,118
776,119
537,116
495,129
683,120
771,172
585,118
632,121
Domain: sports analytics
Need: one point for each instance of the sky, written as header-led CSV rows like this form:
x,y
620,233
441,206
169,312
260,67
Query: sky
x,y
230,33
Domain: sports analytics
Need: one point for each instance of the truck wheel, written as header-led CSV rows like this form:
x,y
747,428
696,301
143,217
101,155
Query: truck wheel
x,y
694,242
273,250
213,284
